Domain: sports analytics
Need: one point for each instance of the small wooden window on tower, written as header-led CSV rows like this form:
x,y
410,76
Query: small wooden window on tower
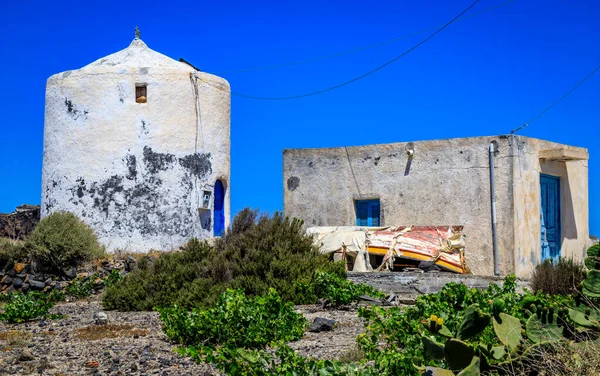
x,y
140,93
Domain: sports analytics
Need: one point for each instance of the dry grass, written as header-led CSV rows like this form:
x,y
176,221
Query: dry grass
x,y
562,277
557,359
353,354
14,339
95,332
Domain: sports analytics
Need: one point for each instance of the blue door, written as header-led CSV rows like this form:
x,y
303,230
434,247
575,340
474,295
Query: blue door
x,y
550,216
219,212
367,212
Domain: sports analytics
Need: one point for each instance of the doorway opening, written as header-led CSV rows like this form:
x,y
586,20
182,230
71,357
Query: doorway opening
x,y
550,216
219,210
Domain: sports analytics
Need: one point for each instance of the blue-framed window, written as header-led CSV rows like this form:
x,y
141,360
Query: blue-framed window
x,y
367,212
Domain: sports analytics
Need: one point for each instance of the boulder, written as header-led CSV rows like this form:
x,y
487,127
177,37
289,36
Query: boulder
x,y
70,272
36,285
25,356
7,280
17,283
100,318
19,267
321,324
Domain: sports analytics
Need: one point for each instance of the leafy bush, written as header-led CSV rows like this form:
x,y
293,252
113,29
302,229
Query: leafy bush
x,y
233,336
115,276
82,287
235,321
11,251
560,277
61,240
24,307
256,254
283,360
336,289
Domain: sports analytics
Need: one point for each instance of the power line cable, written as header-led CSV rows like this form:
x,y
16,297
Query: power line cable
x,y
362,75
362,48
556,102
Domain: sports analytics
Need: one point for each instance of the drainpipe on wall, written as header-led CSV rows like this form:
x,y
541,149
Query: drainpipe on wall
x,y
493,147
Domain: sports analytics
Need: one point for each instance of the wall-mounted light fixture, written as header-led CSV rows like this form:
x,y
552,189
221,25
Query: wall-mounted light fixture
x,y
206,199
410,149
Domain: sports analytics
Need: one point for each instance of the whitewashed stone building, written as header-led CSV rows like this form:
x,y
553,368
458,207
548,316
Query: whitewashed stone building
x,y
138,146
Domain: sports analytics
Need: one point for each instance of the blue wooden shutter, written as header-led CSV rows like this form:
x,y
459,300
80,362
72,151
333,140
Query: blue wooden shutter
x,y
374,215
368,212
362,213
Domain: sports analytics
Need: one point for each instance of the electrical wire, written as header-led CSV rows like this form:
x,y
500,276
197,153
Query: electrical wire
x,y
358,49
556,102
362,75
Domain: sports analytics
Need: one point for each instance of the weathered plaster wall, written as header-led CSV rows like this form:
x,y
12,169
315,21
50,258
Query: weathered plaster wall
x,y
136,171
574,202
446,183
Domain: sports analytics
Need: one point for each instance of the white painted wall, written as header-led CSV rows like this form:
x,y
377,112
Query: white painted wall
x,y
134,171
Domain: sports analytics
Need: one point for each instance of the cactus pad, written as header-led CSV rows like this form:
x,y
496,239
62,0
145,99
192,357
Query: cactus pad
x,y
474,322
472,369
433,348
538,332
508,330
458,354
591,284
579,318
435,371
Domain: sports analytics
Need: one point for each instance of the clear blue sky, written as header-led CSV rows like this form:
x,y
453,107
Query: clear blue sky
x,y
482,76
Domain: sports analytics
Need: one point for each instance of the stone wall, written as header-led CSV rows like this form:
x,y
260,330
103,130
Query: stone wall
x,y
409,285
20,223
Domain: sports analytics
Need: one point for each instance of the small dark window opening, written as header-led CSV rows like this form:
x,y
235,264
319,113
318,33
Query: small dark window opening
x,y
368,212
140,93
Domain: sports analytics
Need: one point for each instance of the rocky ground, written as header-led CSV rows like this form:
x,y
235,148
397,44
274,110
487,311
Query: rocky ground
x,y
132,343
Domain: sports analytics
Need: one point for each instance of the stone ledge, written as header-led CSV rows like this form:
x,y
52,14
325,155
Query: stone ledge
x,y
409,285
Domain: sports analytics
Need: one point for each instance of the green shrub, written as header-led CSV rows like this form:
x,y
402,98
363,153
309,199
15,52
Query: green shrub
x,y
24,307
81,287
281,360
235,321
560,277
11,251
61,240
256,254
337,290
234,334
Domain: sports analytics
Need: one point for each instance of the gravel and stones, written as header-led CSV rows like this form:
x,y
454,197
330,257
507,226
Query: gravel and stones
x,y
132,343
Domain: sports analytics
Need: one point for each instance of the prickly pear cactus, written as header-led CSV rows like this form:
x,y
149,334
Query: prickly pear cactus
x,y
433,348
581,319
472,369
474,322
508,330
539,332
497,307
435,371
458,354
591,284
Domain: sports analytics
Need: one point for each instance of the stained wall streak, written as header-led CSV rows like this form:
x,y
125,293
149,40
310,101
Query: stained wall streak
x,y
133,171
